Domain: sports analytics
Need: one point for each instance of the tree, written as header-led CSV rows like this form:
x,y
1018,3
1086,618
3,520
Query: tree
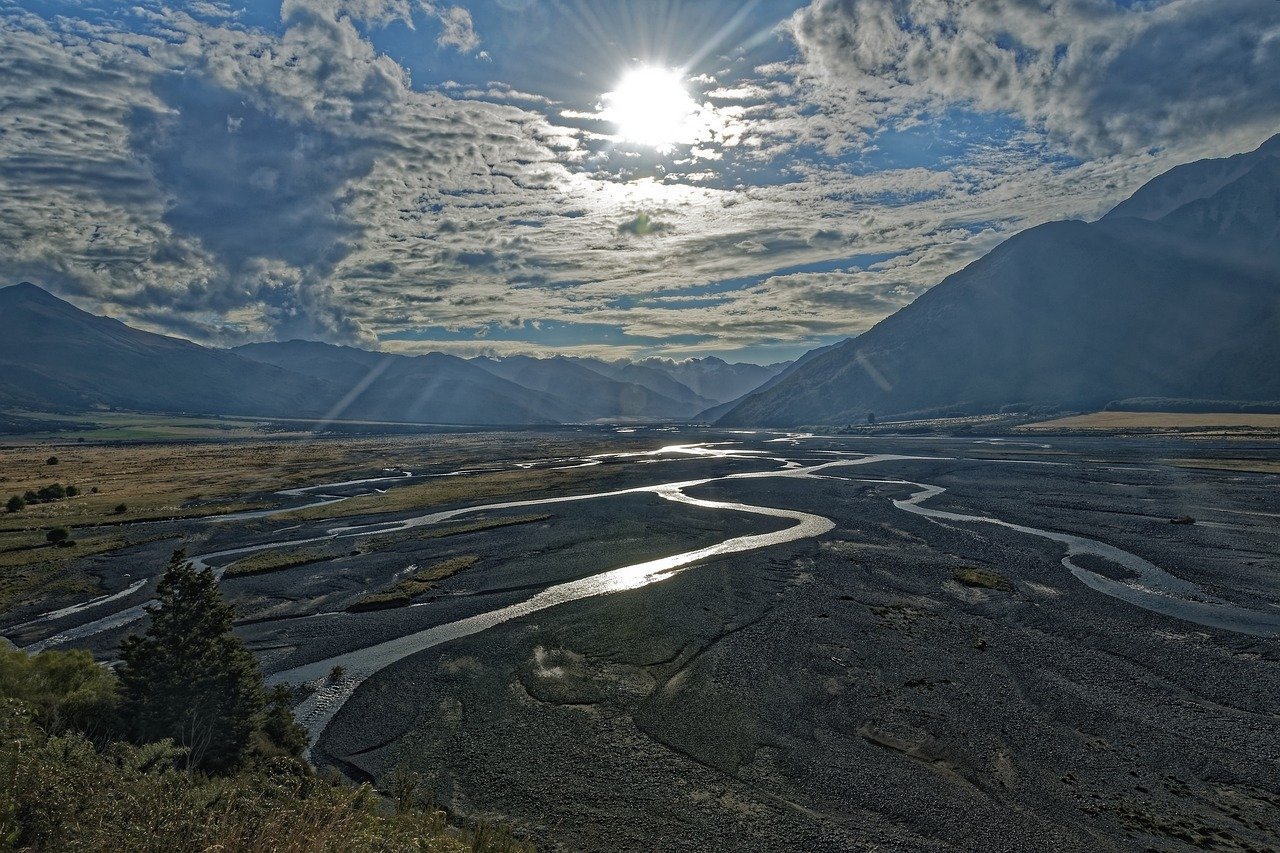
x,y
16,504
58,535
52,492
189,679
72,491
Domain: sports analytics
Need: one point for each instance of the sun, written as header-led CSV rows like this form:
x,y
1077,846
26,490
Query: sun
x,y
650,107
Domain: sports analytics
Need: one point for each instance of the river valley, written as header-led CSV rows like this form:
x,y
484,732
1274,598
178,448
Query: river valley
x,y
707,640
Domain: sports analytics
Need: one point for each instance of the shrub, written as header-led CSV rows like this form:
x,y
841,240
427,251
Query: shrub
x,y
52,460
121,509
58,535
64,691
52,492
31,497
16,504
982,578
72,491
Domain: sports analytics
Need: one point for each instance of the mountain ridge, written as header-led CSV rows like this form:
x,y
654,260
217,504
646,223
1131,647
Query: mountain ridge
x,y
1075,314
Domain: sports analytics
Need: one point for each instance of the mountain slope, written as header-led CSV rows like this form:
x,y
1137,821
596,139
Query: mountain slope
x,y
714,378
1183,302
648,377
579,387
431,388
716,412
54,354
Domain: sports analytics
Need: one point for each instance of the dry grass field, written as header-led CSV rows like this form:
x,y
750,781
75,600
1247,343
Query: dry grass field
x,y
1160,420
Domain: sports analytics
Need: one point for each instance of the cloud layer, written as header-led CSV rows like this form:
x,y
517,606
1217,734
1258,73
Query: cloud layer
x,y
230,179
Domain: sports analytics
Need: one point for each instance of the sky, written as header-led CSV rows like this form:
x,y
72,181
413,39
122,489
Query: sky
x,y
621,178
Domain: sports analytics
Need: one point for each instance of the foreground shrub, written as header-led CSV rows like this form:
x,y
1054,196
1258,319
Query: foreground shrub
x,y
60,793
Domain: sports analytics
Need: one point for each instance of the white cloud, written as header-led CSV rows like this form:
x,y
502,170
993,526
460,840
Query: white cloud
x,y
1098,76
456,29
225,182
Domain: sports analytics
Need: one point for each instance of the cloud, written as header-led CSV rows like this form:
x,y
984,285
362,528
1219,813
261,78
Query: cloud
x,y
456,28
1096,75
642,225
204,176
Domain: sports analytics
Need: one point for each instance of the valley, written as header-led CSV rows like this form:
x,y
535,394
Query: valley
x,y
769,639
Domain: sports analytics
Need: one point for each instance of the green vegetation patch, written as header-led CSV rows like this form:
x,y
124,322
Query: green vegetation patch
x,y
277,560
453,530
407,589
981,578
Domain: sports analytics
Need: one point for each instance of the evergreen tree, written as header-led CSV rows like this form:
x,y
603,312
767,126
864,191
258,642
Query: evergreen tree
x,y
189,678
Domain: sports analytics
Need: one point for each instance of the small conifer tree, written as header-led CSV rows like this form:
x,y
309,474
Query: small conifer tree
x,y
189,678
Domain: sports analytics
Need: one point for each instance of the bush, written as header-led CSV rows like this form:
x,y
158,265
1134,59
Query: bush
x,y
16,504
52,492
121,509
52,460
58,535
31,497
72,491
64,691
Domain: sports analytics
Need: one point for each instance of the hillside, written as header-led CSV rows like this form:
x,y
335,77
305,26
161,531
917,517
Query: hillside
x,y
53,355
1176,293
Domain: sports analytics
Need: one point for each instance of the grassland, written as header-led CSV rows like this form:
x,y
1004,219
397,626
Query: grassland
x,y
1147,421
475,487
406,589
981,579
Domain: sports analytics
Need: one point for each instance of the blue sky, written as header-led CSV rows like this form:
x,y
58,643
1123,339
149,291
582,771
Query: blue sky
x,y
619,178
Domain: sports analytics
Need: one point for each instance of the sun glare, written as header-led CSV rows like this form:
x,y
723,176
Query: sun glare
x,y
650,107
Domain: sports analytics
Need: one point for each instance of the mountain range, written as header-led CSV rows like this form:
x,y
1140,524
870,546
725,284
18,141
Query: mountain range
x,y
55,356
1173,294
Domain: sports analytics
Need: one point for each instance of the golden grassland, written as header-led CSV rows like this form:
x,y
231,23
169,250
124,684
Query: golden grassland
x,y
1255,466
1159,420
177,480
447,490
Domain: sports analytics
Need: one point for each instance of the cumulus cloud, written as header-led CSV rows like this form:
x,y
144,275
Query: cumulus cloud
x,y
1099,76
456,29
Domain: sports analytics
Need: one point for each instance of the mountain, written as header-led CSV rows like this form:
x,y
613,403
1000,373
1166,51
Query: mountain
x,y
579,388
1175,293
716,412
655,380
431,388
53,355
713,378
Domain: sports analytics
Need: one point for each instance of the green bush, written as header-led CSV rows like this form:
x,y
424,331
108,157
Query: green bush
x,y
58,535
16,504
64,691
